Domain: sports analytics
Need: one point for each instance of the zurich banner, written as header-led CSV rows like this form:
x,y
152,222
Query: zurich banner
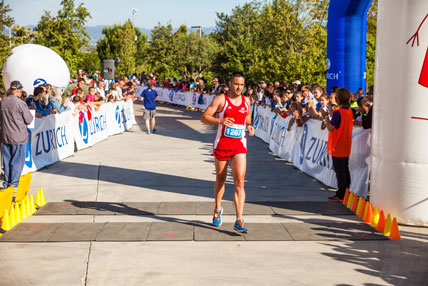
x,y
306,148
52,138
185,98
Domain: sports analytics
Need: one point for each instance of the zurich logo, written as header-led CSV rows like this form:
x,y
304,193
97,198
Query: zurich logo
x,y
303,143
38,82
171,96
84,130
117,115
273,123
28,157
195,97
328,64
256,120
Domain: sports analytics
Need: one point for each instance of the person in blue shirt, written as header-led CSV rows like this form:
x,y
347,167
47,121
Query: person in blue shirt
x,y
41,103
149,96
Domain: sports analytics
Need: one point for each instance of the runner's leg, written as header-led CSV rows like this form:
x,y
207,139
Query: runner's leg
x,y
220,180
239,167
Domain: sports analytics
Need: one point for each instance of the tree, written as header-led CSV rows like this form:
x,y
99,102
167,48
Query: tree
x,y
371,43
127,50
5,21
141,56
65,33
126,43
238,37
160,51
91,61
21,35
278,40
192,53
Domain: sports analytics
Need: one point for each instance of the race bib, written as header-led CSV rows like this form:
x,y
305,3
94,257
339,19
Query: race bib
x,y
234,132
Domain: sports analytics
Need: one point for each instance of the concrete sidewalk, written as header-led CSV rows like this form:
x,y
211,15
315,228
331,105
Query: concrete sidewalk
x,y
161,179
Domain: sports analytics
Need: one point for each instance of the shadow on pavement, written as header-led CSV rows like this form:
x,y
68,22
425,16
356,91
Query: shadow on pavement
x,y
122,208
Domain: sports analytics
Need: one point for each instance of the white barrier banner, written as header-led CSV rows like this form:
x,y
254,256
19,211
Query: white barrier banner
x,y
128,114
120,116
263,122
306,148
89,132
50,140
185,98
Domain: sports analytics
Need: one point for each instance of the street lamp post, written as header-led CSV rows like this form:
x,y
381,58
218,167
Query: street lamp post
x,y
134,10
200,29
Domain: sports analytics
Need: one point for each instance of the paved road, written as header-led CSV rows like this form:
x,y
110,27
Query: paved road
x,y
134,210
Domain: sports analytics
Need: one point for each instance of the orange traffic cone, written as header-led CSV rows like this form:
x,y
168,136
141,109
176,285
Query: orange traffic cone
x,y
375,217
368,213
363,209
388,225
32,205
38,203
346,198
354,203
42,197
23,209
360,202
351,197
12,217
28,207
5,223
395,232
381,223
18,217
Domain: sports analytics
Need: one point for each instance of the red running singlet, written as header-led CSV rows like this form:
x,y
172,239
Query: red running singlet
x,y
231,140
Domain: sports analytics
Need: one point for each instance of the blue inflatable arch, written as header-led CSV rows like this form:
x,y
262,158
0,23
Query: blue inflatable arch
x,y
346,44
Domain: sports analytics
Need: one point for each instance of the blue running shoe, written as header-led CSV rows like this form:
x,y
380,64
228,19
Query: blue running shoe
x,y
154,131
217,218
239,226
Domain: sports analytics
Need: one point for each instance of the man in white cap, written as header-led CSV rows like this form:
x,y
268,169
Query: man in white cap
x,y
14,118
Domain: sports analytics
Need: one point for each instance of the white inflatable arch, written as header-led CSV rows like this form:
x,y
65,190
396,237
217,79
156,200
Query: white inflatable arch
x,y
399,176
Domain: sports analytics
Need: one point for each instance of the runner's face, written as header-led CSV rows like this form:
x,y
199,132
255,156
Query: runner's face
x,y
237,85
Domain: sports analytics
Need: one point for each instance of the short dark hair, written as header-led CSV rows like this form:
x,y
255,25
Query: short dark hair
x,y
80,79
307,87
76,99
38,90
236,74
363,101
343,96
150,84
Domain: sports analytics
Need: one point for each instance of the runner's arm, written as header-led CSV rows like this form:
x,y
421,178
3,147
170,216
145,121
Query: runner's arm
x,y
248,120
208,116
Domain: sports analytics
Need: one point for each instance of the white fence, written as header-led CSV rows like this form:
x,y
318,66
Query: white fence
x,y
52,138
306,148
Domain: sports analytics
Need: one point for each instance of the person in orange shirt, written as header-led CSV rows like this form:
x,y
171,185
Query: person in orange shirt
x,y
340,141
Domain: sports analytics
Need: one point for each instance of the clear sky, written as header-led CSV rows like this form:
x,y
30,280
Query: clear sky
x,y
109,12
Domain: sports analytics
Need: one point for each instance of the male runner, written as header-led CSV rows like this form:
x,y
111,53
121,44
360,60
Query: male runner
x,y
233,116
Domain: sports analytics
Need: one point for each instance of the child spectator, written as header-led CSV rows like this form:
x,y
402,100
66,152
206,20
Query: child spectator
x,y
90,97
281,106
294,114
365,108
340,141
303,115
